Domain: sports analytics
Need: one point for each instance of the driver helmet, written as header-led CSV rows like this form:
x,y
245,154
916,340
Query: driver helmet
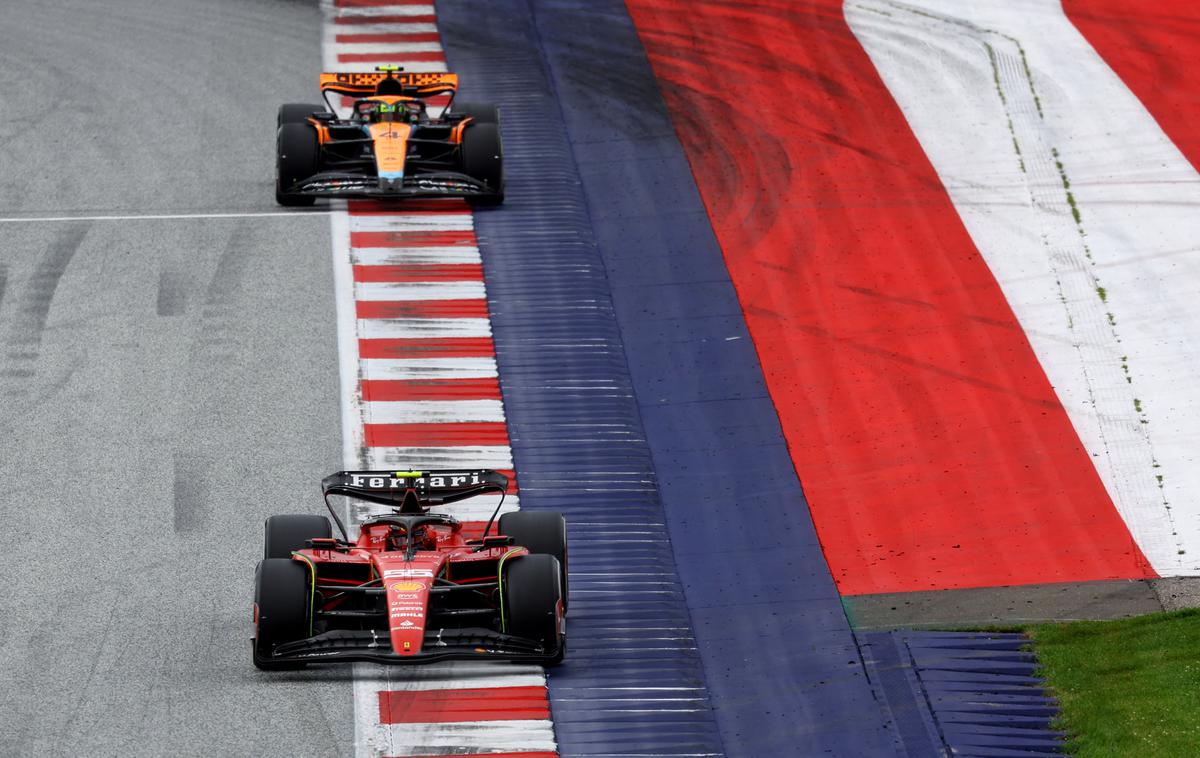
x,y
402,111
425,538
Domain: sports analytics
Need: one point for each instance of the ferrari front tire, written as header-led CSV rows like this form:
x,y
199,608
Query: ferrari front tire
x,y
285,534
533,603
542,532
281,612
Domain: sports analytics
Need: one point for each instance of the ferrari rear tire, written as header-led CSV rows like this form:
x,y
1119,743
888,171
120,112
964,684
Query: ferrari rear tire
x,y
483,159
281,612
297,113
480,113
532,603
540,532
296,158
283,534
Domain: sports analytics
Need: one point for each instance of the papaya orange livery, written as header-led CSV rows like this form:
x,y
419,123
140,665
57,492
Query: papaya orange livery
x,y
394,143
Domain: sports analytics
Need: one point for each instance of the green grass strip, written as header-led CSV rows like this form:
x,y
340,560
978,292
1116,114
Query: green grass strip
x,y
1127,688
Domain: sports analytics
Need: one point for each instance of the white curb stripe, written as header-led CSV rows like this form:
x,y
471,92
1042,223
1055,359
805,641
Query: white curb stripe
x,y
431,411
428,368
382,256
1110,300
419,291
408,328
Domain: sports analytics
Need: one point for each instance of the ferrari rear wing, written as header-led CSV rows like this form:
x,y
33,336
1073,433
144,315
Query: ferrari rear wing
x,y
430,487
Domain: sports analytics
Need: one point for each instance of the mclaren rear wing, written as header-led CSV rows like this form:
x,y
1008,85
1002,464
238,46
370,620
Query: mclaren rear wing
x,y
365,84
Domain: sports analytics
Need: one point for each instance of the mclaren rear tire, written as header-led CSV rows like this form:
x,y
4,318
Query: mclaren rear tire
x,y
483,159
281,612
480,113
296,157
533,603
297,113
540,532
284,534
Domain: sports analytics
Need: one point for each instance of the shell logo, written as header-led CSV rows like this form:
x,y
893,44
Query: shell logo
x,y
407,586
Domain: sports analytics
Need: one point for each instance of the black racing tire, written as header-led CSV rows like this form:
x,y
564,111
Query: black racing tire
x,y
483,159
480,113
283,534
542,533
532,597
297,157
281,612
297,113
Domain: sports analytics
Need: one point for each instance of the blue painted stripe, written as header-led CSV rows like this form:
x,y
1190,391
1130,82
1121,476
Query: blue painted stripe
x,y
971,693
632,682
636,405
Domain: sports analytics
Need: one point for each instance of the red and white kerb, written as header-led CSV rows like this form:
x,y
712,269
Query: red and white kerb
x,y
421,390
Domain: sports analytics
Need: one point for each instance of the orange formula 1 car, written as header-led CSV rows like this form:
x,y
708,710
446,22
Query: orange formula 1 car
x,y
389,146
411,587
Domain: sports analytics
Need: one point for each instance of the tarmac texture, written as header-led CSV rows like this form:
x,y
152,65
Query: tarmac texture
x,y
167,383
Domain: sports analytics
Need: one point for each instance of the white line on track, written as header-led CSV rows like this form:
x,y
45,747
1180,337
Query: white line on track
x,y
162,217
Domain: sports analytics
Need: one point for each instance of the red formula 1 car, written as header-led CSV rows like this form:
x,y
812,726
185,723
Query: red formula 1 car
x,y
411,588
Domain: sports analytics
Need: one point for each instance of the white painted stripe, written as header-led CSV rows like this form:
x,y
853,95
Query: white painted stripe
x,y
428,368
489,736
321,214
348,363
407,458
398,27
387,47
1119,362
423,328
455,675
467,290
432,411
450,221
382,10
382,256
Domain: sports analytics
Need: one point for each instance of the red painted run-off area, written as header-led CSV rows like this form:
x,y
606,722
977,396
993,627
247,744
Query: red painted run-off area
x,y
1155,49
931,447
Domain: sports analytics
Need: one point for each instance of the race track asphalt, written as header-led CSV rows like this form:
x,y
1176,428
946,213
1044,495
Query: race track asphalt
x,y
166,383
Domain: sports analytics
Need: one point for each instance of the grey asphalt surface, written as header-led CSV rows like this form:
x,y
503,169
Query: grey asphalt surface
x,y
166,384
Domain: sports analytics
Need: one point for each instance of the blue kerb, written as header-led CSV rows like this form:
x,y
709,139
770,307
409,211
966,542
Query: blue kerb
x,y
636,405
632,681
963,693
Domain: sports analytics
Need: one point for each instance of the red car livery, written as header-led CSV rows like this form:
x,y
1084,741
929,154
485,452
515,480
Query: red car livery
x,y
411,587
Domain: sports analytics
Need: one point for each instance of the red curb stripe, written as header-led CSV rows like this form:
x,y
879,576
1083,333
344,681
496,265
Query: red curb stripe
x,y
432,55
416,272
408,208
425,19
436,435
422,308
482,755
360,39
483,388
933,452
416,238
378,3
1153,48
444,347
475,704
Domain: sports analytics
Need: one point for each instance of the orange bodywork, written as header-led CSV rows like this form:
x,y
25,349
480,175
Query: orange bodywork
x,y
423,84
391,147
